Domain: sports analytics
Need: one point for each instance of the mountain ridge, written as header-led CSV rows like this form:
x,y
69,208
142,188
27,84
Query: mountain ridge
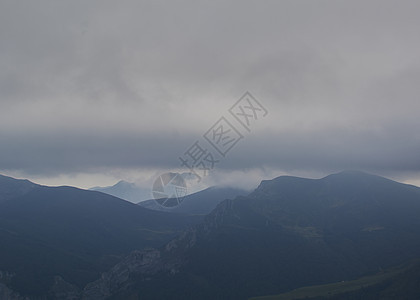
x,y
72,232
286,234
198,203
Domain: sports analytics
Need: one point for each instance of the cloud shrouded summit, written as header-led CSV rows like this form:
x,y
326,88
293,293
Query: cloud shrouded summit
x,y
94,87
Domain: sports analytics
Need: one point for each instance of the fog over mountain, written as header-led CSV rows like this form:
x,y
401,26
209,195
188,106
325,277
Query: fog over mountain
x,y
93,93
289,233
199,203
125,190
234,121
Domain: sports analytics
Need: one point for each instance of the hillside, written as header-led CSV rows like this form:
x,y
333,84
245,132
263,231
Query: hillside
x,y
401,282
73,233
199,203
289,233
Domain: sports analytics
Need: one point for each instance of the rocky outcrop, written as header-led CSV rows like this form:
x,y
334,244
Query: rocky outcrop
x,y
143,265
8,294
5,292
62,290
139,264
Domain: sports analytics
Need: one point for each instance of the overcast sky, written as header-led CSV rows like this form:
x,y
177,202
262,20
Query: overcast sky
x,y
96,91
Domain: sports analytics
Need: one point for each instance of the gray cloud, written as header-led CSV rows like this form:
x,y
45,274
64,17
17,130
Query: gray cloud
x,y
99,84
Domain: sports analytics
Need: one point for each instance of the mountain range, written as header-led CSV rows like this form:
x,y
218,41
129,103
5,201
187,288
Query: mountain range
x,y
289,233
348,235
73,233
196,203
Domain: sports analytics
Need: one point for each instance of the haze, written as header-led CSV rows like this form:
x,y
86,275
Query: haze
x,y
92,92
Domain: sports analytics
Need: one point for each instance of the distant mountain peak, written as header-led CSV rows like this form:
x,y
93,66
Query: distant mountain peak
x,y
125,183
125,190
346,175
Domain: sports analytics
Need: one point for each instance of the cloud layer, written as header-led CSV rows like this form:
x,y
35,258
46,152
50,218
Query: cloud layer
x,y
99,85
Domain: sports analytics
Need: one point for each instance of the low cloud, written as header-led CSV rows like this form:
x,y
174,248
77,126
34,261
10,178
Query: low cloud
x,y
93,86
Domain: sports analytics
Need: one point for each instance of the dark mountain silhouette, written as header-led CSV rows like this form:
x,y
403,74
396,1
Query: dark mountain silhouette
x,y
73,233
200,203
11,188
290,232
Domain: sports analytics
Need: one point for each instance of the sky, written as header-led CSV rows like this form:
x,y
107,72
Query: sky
x,y
92,92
